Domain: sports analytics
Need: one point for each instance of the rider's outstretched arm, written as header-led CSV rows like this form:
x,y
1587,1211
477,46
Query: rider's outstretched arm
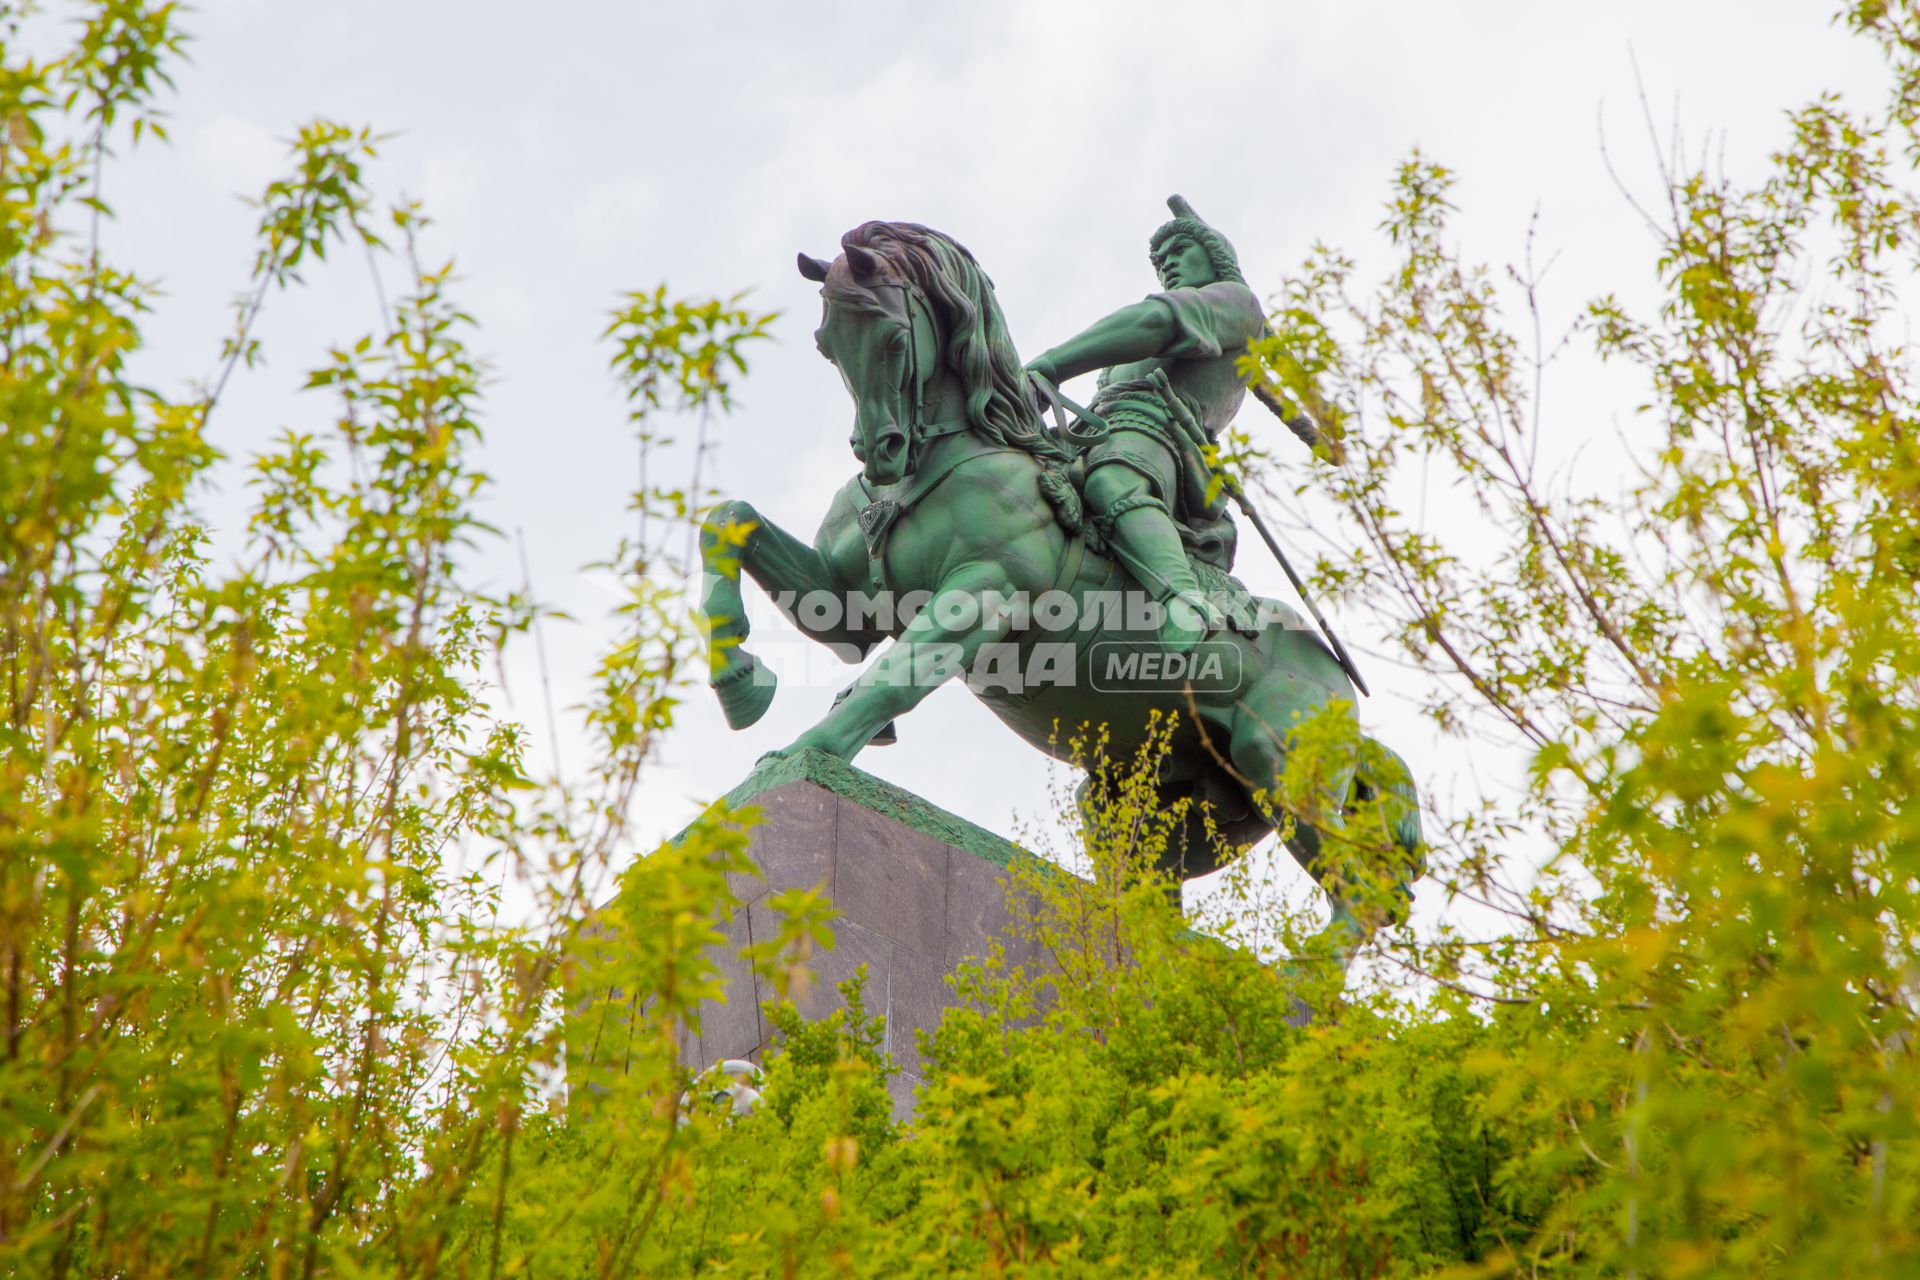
x,y
1137,332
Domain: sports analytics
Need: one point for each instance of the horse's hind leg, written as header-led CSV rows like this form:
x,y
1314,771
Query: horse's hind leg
x,y
1357,834
734,537
1314,823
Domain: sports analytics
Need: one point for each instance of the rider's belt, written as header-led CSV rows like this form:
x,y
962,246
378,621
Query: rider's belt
x,y
1151,404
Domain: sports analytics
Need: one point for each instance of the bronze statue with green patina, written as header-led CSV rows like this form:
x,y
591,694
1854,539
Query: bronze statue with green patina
x,y
1062,575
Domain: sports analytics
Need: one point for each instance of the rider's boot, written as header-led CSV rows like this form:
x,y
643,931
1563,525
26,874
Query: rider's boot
x,y
1144,539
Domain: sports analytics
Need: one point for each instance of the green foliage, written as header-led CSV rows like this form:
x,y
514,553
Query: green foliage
x,y
1714,980
300,972
689,350
283,923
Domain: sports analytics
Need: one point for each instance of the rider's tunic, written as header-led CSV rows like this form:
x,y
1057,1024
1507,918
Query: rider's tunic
x,y
1159,440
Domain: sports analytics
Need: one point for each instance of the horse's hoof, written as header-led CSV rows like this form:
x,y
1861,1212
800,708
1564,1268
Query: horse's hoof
x,y
745,693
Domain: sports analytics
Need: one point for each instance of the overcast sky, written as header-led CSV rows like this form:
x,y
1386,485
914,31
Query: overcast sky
x,y
576,150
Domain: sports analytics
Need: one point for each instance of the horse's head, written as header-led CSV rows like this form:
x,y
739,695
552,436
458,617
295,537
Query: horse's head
x,y
912,325
879,333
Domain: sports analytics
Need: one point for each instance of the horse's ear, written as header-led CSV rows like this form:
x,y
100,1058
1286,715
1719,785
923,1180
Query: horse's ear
x,y
814,269
866,264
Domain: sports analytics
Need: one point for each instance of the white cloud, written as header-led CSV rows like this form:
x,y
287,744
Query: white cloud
x,y
237,155
610,215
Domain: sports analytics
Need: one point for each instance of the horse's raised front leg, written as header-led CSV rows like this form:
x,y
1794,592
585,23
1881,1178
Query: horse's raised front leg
x,y
734,537
926,655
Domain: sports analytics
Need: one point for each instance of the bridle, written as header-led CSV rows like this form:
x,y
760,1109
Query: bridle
x,y
911,394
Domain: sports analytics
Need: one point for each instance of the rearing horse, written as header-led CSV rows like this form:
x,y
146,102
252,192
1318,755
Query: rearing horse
x,y
965,502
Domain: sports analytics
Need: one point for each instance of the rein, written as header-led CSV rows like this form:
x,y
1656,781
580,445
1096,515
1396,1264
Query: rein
x,y
919,430
1088,427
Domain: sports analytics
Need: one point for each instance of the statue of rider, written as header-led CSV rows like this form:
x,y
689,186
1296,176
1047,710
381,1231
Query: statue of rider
x,y
1169,386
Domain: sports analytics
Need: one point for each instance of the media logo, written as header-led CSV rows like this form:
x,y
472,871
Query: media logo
x,y
1210,666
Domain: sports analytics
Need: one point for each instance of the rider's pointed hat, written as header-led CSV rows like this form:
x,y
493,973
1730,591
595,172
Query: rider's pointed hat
x,y
1226,263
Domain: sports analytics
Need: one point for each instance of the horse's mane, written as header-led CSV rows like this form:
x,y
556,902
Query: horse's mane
x,y
978,349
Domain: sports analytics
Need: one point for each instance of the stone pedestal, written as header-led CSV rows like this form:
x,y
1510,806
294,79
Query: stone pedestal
x,y
917,889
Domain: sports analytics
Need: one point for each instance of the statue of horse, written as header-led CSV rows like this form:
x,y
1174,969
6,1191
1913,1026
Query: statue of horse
x,y
965,505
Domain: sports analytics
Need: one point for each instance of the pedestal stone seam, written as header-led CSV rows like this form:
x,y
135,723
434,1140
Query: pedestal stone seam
x,y
946,890
753,980
833,846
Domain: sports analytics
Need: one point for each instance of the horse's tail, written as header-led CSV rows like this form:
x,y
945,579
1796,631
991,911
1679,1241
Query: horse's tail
x,y
1385,780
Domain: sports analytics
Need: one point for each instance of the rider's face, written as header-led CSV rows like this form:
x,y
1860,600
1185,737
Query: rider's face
x,y
1183,264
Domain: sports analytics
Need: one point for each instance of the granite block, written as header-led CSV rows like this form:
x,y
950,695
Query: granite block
x,y
901,1089
731,1029
916,998
828,968
978,910
891,879
853,947
917,891
688,1050
793,843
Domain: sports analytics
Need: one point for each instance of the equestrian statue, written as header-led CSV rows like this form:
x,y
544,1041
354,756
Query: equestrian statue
x,y
1076,574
